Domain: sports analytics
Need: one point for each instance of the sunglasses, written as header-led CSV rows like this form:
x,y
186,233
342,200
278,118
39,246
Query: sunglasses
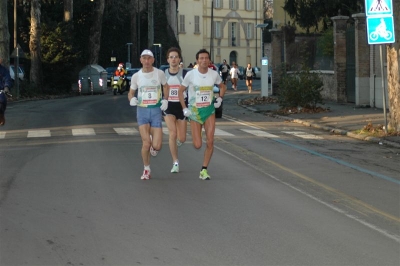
x,y
173,57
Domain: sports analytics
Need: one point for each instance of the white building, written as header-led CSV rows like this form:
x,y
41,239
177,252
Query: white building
x,y
235,36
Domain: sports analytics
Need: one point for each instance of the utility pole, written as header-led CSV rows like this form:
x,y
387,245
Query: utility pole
x,y
212,32
15,23
150,27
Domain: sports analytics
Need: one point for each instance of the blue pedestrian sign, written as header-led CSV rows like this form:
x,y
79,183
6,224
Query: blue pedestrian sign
x,y
378,7
380,30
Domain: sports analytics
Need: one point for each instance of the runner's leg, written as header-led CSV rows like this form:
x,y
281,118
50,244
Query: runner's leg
x,y
172,129
209,127
196,133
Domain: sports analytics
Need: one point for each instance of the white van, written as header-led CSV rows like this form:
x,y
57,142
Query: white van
x,y
20,72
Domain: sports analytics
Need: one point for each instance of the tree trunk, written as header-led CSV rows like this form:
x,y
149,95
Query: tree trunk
x,y
393,71
95,32
68,10
4,34
36,74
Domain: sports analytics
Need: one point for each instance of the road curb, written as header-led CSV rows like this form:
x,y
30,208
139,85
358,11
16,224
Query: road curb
x,y
333,130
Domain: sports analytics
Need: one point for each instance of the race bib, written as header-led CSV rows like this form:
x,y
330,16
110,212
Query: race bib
x,y
203,97
173,93
149,96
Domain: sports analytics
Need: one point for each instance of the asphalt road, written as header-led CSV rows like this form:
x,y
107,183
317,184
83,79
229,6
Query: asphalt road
x,y
279,194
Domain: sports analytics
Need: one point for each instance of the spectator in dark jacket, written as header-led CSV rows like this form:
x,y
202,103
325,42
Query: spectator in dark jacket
x,y
224,70
5,84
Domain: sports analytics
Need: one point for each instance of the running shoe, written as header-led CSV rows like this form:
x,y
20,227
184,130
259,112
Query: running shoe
x,y
204,175
175,168
146,175
153,152
178,143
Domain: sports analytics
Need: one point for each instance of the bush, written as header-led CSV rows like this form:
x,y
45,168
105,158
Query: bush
x,y
300,89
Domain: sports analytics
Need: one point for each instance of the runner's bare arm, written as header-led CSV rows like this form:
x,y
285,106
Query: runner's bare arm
x,y
181,98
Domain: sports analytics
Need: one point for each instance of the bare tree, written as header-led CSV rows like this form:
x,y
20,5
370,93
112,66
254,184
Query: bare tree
x,y
36,74
4,34
393,67
95,32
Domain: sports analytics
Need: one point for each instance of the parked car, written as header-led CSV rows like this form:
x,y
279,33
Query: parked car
x,y
218,111
110,73
130,73
257,70
241,72
163,67
21,73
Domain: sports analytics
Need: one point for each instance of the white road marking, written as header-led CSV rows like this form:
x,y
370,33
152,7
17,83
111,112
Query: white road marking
x,y
126,130
83,132
2,135
303,135
260,133
220,132
39,133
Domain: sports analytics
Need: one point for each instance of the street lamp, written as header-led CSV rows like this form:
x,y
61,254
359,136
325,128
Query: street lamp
x,y
128,62
262,26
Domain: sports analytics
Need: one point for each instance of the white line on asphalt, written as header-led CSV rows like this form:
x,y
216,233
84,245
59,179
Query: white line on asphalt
x,y
329,205
220,132
260,133
83,132
238,122
2,135
39,133
303,135
126,130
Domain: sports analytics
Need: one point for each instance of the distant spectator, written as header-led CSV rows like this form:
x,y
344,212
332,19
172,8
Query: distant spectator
x,y
190,65
224,69
212,66
5,84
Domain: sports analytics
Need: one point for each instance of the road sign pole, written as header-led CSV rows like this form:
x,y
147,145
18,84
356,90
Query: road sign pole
x,y
383,90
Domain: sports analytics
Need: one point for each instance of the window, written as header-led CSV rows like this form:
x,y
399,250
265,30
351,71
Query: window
x,y
233,33
233,4
196,24
217,30
249,31
249,5
182,23
218,3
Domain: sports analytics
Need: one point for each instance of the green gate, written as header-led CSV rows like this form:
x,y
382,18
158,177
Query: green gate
x,y
350,64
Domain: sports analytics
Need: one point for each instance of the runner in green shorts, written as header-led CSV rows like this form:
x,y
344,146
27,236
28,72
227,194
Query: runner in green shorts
x,y
201,107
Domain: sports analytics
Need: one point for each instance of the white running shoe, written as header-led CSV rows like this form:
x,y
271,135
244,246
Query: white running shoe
x,y
178,143
153,152
175,168
146,175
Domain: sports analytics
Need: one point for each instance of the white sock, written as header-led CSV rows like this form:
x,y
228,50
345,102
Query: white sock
x,y
147,167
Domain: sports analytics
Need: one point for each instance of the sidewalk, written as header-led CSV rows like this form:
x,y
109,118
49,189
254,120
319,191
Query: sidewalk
x,y
341,118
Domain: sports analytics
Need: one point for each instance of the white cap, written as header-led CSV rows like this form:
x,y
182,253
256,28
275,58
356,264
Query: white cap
x,y
147,52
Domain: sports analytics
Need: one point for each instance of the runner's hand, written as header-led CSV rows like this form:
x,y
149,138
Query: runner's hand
x,y
164,105
134,101
187,112
218,102
6,90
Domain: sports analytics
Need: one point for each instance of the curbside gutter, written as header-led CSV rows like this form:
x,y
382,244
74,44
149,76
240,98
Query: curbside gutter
x,y
333,130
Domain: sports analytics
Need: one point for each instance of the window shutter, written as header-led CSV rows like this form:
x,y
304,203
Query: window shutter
x,y
238,35
230,34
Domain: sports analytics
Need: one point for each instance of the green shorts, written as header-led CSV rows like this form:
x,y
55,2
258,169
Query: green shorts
x,y
200,115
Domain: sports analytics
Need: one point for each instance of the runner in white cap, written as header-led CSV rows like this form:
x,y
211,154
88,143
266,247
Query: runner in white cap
x,y
149,81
